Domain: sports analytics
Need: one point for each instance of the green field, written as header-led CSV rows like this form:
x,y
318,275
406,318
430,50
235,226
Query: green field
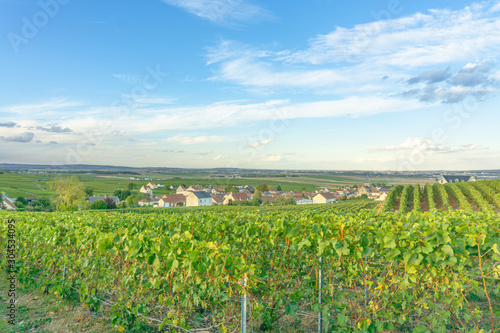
x,y
26,184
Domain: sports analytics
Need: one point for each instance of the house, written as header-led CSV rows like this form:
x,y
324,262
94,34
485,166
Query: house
x,y
217,199
382,197
150,201
154,201
8,204
218,191
231,197
145,202
199,198
180,189
324,198
152,185
146,189
94,198
300,200
444,179
195,188
364,190
269,198
30,199
172,200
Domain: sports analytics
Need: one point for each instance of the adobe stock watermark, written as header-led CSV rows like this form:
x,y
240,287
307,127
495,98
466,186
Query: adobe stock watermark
x,y
121,108
31,26
453,118
252,149
364,38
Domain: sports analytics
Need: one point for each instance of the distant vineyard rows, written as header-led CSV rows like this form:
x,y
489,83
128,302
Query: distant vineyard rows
x,y
477,196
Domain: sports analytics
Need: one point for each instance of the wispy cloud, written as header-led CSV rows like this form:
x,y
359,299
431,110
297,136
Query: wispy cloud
x,y
439,37
218,157
262,143
43,109
352,60
9,124
190,140
223,11
272,157
425,146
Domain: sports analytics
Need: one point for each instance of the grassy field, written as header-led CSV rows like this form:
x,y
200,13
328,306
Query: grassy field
x,y
24,184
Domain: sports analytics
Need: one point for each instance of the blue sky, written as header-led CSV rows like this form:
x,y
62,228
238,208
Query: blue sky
x,y
320,84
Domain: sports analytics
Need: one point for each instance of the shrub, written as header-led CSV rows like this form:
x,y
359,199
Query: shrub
x,y
99,204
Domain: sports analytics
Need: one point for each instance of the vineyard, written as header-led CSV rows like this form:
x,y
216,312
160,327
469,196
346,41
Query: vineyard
x,y
478,196
182,270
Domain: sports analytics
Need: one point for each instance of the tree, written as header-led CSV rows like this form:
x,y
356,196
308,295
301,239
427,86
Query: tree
x,y
230,189
89,191
133,200
42,203
262,188
125,194
257,195
110,203
122,194
278,188
70,193
21,200
19,205
284,201
99,204
122,204
130,186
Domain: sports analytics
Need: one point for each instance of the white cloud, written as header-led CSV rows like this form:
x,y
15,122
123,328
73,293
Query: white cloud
x,y
222,11
424,146
262,143
272,157
154,100
218,157
353,60
43,109
190,140
103,125
439,37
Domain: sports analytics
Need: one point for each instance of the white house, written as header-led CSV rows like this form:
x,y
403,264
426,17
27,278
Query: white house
x,y
382,197
172,200
199,198
456,179
8,203
324,197
147,190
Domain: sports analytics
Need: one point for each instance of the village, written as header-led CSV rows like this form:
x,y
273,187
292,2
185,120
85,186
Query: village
x,y
240,195
196,195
